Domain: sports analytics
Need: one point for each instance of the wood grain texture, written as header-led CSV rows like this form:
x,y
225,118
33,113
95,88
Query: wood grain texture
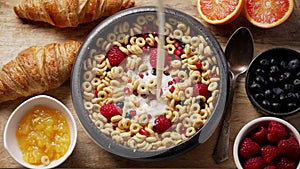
x,y
16,35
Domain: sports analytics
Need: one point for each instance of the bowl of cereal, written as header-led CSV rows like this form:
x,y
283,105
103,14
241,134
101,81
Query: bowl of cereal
x,y
134,109
40,133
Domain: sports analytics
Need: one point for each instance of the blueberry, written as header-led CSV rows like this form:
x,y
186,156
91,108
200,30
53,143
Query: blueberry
x,y
296,83
259,96
201,103
294,65
282,97
285,76
273,80
255,86
274,70
259,79
182,103
186,70
292,105
288,87
278,91
298,75
274,62
264,62
127,115
290,96
297,95
260,72
120,104
276,105
266,103
153,71
284,64
268,93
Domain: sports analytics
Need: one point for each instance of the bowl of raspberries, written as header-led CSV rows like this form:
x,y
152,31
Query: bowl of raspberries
x,y
273,82
267,143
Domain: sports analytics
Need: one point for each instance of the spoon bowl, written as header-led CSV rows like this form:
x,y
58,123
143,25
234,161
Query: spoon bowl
x,y
239,53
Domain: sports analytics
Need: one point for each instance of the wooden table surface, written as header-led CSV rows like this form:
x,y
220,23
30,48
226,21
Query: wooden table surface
x,y
16,35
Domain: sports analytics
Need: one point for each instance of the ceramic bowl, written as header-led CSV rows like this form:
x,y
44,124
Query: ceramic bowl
x,y
251,127
140,24
10,140
273,82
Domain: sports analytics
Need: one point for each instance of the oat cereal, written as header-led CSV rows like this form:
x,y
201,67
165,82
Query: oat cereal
x,y
120,84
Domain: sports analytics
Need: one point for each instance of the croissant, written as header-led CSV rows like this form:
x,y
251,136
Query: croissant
x,y
69,13
37,69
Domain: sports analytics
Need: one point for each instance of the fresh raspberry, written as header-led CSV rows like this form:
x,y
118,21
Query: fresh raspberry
x,y
126,91
110,110
260,135
115,56
289,147
153,56
168,60
95,93
176,79
270,167
254,163
177,44
170,83
177,52
276,131
132,113
269,153
199,65
201,89
215,75
161,124
249,148
141,75
172,88
285,163
144,132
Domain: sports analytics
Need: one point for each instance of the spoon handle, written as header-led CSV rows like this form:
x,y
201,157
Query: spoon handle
x,y
221,150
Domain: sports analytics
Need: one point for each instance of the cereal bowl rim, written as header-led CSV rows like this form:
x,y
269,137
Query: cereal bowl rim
x,y
136,154
250,126
10,141
253,63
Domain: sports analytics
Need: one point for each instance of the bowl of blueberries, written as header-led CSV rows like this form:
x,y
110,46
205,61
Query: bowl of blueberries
x,y
273,82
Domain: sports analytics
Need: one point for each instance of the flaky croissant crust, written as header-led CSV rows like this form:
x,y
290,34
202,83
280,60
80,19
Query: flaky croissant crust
x,y
69,13
37,69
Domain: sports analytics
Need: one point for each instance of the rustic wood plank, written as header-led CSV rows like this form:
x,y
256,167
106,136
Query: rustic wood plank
x,y
16,35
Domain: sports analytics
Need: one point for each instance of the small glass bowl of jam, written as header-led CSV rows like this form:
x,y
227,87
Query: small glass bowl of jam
x,y
40,133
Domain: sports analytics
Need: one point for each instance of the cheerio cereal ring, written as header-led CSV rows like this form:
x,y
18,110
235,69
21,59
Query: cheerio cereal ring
x,y
142,88
135,127
141,20
140,41
111,37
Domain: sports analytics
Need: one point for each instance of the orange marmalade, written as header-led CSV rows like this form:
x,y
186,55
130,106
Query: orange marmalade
x,y
43,135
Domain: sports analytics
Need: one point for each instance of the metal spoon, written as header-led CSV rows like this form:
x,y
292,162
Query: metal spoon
x,y
239,53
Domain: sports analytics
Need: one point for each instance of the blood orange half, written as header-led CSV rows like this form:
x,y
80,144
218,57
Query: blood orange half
x,y
268,13
219,12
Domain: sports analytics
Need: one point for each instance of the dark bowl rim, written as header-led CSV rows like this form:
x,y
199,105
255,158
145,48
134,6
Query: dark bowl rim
x,y
152,155
249,94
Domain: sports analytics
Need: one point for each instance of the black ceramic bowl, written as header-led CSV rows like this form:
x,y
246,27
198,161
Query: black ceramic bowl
x,y
138,26
273,82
